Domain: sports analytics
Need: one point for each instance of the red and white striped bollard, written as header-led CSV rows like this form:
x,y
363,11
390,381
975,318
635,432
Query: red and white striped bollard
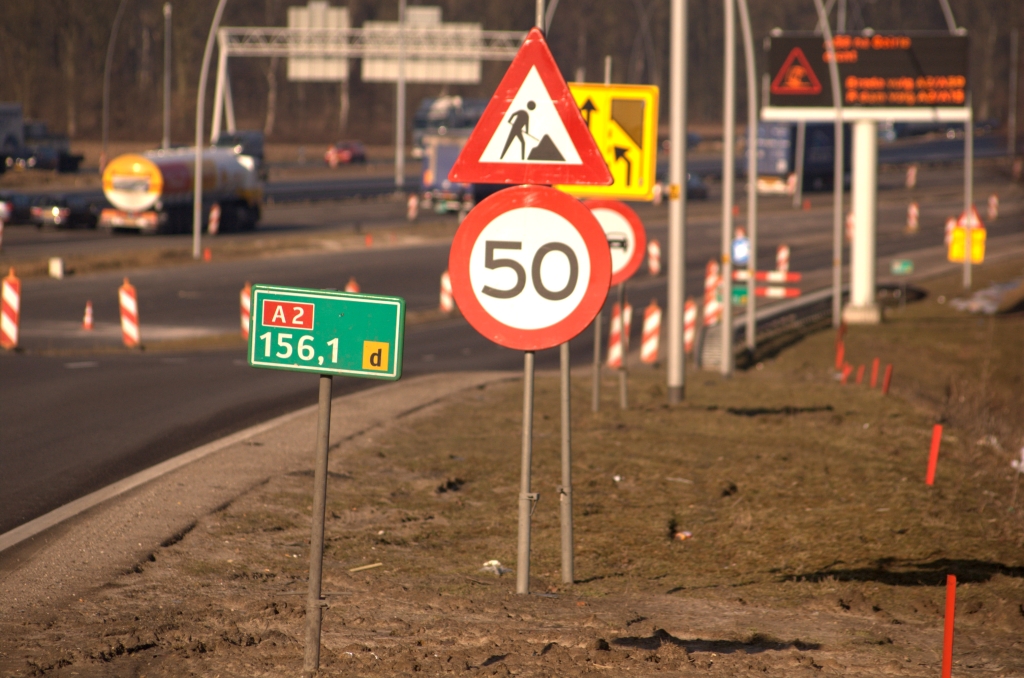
x,y
993,207
128,300
782,258
412,207
213,225
245,308
10,311
689,325
654,257
447,300
712,304
614,342
651,334
913,217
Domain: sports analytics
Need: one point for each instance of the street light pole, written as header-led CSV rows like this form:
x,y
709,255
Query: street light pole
x,y
197,189
728,181
838,168
748,52
677,205
108,64
166,139
400,102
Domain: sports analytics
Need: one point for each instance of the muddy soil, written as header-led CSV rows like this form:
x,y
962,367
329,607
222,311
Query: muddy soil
x,y
816,547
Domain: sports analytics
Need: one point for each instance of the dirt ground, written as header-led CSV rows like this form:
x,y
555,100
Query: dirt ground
x,y
816,548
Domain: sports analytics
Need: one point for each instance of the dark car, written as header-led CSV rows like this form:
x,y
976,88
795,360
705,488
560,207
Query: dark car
x,y
345,152
64,212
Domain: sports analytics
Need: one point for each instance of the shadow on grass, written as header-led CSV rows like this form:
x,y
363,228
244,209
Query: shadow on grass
x,y
894,572
756,643
788,409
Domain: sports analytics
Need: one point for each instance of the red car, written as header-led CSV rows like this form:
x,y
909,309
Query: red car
x,y
345,152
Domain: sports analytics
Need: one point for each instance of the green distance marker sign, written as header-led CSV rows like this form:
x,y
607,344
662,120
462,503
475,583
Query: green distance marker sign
x,y
302,330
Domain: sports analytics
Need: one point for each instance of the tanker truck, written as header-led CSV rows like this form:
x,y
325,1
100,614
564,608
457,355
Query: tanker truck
x,y
152,192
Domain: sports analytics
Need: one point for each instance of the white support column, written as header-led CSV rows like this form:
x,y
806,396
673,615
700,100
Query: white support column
x,y
229,104
218,89
862,308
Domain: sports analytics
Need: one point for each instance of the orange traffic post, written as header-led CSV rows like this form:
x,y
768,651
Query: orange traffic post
x,y
887,379
860,374
933,454
874,372
947,636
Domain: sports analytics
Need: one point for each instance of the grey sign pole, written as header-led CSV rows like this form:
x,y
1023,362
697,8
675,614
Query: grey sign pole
x,y
623,349
197,193
1011,131
565,491
748,52
728,181
595,396
400,102
165,141
801,143
677,205
526,497
595,403
315,604
838,169
968,190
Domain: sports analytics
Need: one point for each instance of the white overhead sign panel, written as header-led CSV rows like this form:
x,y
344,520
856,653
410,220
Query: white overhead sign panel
x,y
422,25
318,15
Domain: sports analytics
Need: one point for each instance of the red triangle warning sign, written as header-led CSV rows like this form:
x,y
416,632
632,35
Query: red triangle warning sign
x,y
796,76
531,131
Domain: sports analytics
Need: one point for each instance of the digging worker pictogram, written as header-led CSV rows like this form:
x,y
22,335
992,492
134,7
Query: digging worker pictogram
x,y
520,122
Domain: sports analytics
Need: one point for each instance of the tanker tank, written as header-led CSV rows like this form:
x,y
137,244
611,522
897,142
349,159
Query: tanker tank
x,y
152,192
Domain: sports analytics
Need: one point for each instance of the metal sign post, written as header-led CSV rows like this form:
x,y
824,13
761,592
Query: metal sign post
x,y
324,332
526,497
968,192
528,290
627,244
595,404
623,349
315,603
565,491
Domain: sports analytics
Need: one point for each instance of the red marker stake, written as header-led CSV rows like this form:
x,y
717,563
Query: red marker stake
x,y
933,456
874,373
840,354
860,374
847,370
947,638
886,379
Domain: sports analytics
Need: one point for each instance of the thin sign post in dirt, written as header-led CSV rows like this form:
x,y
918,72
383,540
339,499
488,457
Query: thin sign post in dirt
x,y
530,268
326,332
627,243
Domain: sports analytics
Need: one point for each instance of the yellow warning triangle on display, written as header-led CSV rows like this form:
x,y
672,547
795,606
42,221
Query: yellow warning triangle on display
x,y
531,131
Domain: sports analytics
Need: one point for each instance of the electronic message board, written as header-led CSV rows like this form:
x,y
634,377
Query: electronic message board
x,y
880,71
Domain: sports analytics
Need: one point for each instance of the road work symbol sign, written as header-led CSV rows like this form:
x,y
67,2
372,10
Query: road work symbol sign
x,y
623,120
326,332
530,267
531,131
796,76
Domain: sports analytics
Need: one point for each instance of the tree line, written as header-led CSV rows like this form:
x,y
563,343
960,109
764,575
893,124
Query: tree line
x,y
52,56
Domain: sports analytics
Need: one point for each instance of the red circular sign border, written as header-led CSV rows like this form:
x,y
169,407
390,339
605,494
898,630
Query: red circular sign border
x,y
573,211
639,235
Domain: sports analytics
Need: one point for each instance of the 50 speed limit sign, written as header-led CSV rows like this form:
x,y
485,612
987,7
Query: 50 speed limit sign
x,y
530,267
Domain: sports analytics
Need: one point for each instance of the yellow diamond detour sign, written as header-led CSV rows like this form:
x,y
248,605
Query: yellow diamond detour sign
x,y
623,119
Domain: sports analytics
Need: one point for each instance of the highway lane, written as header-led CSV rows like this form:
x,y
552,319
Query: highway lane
x,y
73,422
